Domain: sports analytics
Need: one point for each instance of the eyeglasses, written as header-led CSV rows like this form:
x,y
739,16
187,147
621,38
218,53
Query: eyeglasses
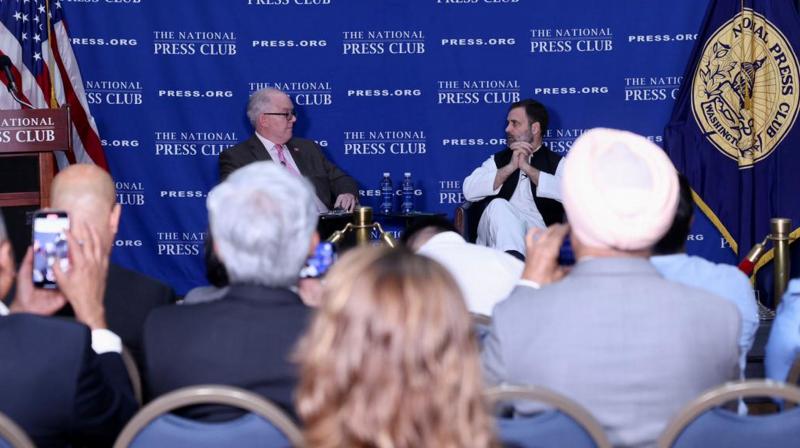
x,y
287,115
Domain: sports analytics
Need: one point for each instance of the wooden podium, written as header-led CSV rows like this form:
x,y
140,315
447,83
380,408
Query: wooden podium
x,y
34,133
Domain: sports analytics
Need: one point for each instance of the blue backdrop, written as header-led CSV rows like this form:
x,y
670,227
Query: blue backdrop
x,y
382,85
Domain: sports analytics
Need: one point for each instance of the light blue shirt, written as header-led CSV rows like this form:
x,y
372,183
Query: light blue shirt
x,y
723,280
784,339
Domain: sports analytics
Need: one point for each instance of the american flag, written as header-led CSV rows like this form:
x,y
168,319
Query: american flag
x,y
47,71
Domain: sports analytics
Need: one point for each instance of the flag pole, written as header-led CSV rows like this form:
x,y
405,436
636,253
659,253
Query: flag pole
x,y
53,101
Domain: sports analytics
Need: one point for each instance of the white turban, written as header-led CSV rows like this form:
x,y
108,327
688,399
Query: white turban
x,y
619,190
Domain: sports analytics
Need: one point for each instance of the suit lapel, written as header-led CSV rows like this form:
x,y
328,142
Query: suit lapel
x,y
298,155
257,149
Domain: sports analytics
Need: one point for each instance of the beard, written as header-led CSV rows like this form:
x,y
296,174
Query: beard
x,y
526,136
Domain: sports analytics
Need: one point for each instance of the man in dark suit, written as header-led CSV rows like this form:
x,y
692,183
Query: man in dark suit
x,y
263,220
272,115
62,383
87,194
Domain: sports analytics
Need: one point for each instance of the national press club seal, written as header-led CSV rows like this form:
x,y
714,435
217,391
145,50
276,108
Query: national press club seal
x,y
745,88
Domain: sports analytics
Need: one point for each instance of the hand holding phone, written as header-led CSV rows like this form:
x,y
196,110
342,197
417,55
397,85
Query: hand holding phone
x,y
49,246
318,264
542,252
85,284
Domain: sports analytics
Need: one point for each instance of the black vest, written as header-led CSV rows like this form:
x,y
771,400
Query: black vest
x,y
543,160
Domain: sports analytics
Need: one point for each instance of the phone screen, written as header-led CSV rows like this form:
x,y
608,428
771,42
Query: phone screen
x,y
318,264
49,246
566,257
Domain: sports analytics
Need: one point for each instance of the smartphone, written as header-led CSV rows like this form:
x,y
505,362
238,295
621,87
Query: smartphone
x,y
318,264
49,246
566,257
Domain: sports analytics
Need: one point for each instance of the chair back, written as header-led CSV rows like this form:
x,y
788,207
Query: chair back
x,y
794,373
562,423
465,220
133,373
264,425
703,423
11,435
481,324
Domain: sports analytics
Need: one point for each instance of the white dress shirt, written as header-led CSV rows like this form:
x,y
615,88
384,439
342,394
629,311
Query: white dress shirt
x,y
272,150
103,340
480,184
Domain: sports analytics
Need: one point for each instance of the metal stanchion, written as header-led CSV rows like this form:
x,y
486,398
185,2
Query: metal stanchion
x,y
362,225
781,227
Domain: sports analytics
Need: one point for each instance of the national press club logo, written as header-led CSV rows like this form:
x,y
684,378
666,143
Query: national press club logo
x,y
114,92
450,191
484,91
569,40
302,93
129,192
180,244
289,2
652,88
173,143
194,43
383,42
393,142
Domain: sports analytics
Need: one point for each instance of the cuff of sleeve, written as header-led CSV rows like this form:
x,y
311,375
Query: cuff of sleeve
x,y
105,341
4,311
529,283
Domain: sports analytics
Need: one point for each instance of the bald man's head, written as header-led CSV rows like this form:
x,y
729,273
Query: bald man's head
x,y
87,193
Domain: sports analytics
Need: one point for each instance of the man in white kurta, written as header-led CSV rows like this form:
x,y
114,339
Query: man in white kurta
x,y
519,185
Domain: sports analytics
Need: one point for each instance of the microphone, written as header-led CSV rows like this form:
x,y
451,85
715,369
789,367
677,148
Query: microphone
x,y
5,64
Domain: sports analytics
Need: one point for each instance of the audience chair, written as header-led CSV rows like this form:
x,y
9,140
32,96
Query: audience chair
x,y
133,374
264,426
466,222
794,373
12,436
703,423
482,324
561,423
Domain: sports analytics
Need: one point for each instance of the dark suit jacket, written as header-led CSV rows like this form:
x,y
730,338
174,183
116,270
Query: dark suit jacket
x,y
128,299
56,388
243,339
328,180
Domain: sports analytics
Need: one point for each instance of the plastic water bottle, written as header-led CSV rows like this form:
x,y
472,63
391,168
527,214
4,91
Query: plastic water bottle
x,y
387,194
408,194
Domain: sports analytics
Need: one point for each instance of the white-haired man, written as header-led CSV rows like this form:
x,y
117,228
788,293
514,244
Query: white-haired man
x,y
263,220
613,335
272,115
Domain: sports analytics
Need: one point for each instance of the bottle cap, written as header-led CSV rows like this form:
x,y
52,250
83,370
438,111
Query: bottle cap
x,y
386,174
407,174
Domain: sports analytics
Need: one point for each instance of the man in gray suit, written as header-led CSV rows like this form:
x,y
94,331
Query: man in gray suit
x,y
612,334
272,115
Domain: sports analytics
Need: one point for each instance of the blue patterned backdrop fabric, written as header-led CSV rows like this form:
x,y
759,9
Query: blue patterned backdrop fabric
x,y
382,85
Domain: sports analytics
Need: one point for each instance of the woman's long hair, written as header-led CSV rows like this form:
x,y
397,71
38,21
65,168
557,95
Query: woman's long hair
x,y
390,360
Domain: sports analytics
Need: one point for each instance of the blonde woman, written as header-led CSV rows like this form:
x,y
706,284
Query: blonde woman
x,y
390,359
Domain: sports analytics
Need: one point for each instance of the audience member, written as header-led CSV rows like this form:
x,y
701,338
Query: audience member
x,y
87,194
390,359
723,280
272,115
783,345
612,334
63,382
485,275
263,220
517,188
216,275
